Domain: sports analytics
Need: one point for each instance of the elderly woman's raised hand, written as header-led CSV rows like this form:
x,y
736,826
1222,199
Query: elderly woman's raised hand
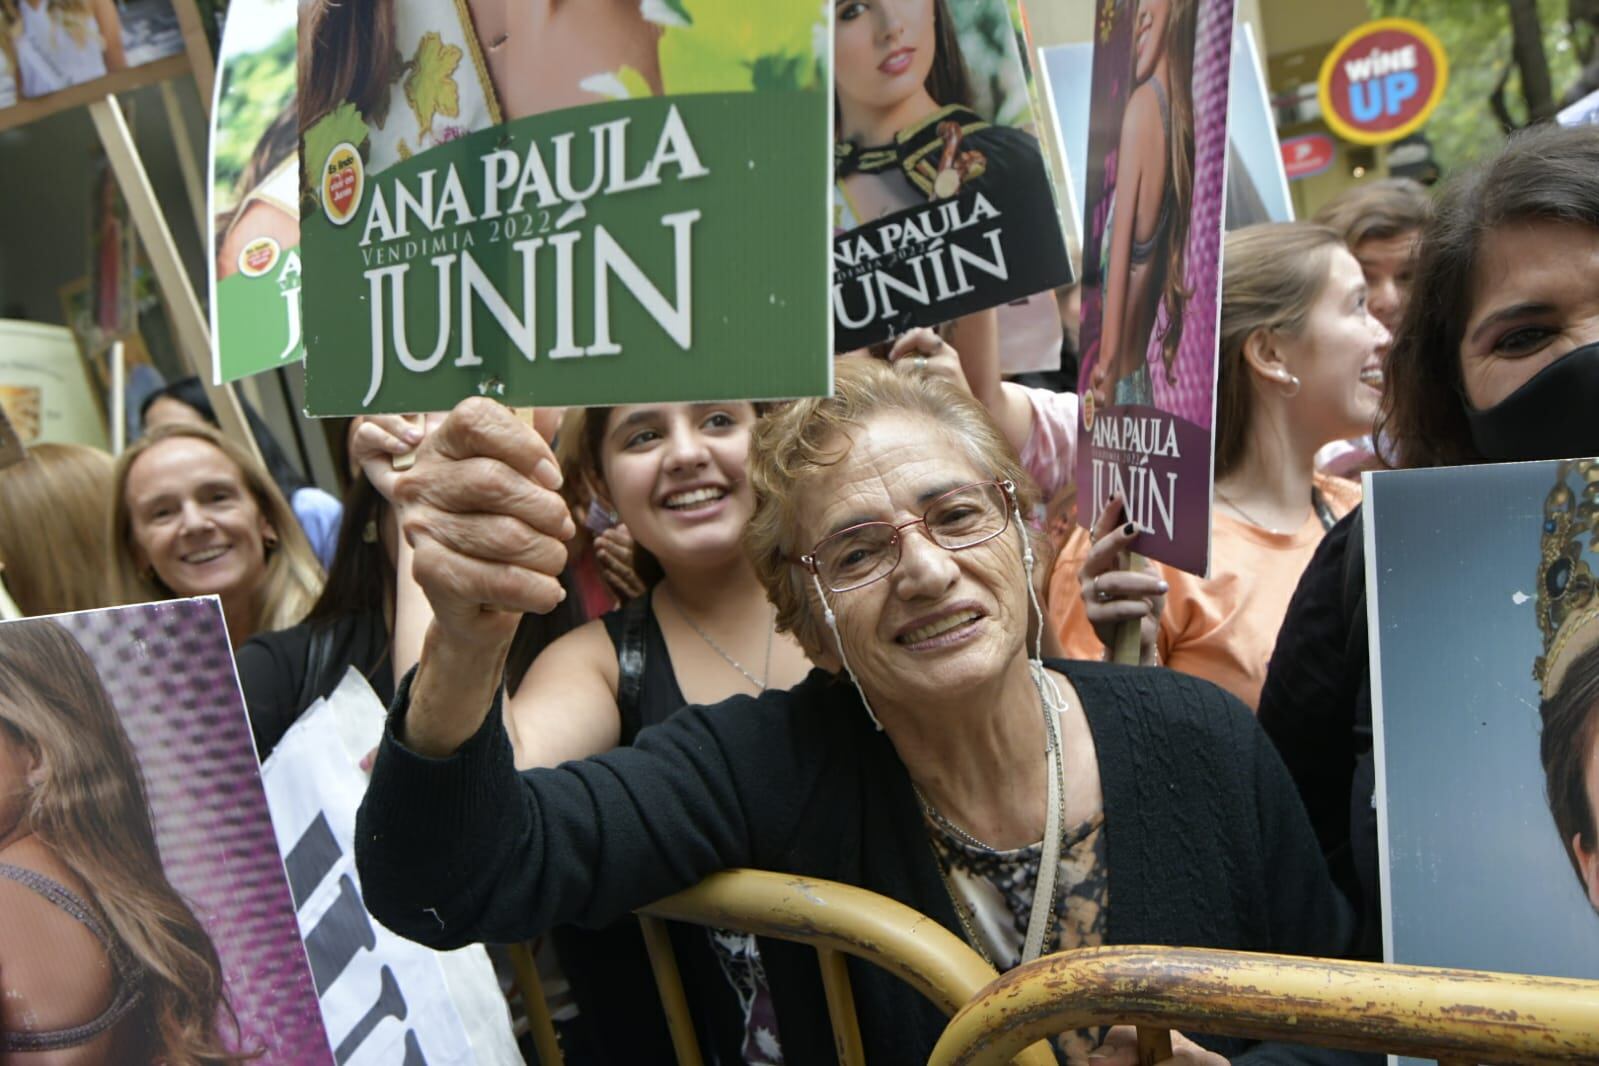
x,y
1113,596
481,510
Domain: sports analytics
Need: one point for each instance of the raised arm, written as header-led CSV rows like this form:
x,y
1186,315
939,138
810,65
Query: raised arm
x,y
481,513
976,338
463,849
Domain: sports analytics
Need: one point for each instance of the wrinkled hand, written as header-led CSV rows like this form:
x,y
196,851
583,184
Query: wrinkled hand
x,y
922,351
1112,596
613,550
1121,1049
481,511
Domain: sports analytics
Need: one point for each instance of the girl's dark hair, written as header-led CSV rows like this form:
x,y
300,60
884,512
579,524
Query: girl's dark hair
x,y
948,82
1547,173
278,142
361,578
1570,724
350,45
585,461
190,393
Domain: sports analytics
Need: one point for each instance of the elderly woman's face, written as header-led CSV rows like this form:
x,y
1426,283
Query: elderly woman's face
x,y
1535,299
942,621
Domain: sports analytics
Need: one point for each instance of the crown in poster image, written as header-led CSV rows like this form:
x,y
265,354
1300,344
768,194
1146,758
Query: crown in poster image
x,y
1567,601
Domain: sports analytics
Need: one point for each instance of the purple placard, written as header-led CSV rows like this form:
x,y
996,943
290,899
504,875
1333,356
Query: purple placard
x,y
1148,415
168,670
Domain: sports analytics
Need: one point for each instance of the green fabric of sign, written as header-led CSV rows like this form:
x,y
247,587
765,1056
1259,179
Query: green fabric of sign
x,y
731,257
261,319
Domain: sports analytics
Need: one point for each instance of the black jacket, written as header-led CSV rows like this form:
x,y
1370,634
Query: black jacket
x,y
1207,843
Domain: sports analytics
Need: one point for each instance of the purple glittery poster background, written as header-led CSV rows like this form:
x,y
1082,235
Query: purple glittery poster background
x,y
169,671
1168,485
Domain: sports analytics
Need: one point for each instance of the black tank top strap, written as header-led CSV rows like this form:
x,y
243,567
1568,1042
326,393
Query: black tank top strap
x,y
647,691
626,628
128,976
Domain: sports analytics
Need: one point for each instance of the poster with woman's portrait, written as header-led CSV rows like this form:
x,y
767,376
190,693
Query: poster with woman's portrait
x,y
942,200
144,913
563,204
1484,620
254,194
50,45
1152,233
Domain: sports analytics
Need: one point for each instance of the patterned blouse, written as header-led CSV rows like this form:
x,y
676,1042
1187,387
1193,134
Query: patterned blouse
x,y
995,890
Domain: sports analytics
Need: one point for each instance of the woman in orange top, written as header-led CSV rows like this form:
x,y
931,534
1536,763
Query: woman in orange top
x,y
1300,365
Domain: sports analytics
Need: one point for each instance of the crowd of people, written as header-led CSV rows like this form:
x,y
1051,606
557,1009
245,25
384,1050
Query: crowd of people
x,y
837,637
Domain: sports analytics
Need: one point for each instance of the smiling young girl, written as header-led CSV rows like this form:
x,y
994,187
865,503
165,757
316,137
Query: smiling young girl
x,y
704,631
193,515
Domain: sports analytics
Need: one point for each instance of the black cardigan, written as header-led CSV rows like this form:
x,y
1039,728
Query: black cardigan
x,y
1207,843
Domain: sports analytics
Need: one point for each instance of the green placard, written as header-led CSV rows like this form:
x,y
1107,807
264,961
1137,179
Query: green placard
x,y
260,316
254,194
659,247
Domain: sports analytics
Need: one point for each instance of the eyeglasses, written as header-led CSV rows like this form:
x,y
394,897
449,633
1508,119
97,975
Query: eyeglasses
x,y
961,518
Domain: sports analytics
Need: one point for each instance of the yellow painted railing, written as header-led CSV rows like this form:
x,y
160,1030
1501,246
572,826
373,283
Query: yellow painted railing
x,y
1454,1016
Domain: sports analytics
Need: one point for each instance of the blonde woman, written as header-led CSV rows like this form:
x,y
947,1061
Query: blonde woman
x,y
194,515
61,43
101,961
1147,238
55,517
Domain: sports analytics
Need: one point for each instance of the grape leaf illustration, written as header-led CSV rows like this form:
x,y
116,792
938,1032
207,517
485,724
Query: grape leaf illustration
x,y
430,87
342,125
726,41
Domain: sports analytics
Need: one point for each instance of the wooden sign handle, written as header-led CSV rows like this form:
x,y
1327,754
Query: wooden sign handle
x,y
1129,635
1154,1045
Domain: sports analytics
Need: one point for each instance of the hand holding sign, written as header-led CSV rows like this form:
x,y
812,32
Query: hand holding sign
x,y
481,511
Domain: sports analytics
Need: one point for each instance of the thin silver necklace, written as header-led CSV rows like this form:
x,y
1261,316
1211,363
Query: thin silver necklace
x,y
1245,515
758,682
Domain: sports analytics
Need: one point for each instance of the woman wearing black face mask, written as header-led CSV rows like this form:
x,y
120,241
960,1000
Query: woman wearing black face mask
x,y
1497,359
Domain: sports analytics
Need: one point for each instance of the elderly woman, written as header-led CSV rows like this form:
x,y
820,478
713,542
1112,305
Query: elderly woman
x,y
1027,807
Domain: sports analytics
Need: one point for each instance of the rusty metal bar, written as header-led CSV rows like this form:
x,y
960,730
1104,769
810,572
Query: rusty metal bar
x,y
904,943
669,982
1453,1015
841,1007
541,1026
